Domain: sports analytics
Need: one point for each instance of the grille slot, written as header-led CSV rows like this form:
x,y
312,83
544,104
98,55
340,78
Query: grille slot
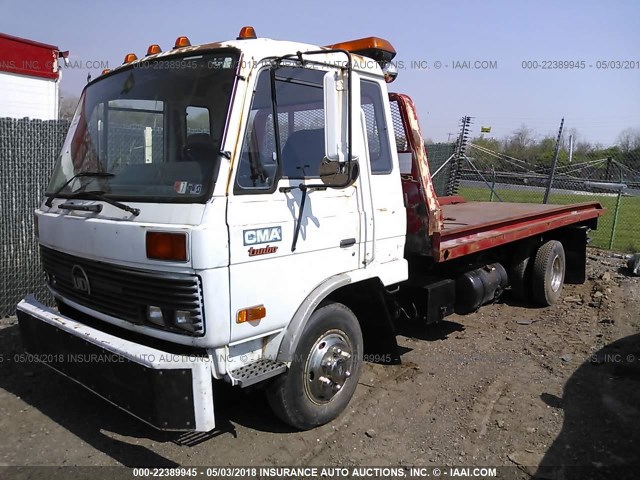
x,y
125,292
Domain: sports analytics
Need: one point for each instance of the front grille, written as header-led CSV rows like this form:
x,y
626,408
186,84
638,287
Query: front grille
x,y
123,292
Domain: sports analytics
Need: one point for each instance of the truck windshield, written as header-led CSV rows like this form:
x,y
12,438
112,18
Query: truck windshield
x,y
154,130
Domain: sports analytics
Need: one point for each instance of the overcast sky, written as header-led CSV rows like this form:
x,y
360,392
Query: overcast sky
x,y
599,103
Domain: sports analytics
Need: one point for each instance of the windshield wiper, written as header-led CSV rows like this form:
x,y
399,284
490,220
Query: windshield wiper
x,y
55,194
99,195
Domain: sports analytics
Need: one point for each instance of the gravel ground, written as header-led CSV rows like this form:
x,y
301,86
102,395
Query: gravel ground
x,y
509,385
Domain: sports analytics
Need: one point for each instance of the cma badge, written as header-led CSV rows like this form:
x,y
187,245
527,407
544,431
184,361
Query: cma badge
x,y
260,236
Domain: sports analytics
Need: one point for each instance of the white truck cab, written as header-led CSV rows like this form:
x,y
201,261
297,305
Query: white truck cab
x,y
212,212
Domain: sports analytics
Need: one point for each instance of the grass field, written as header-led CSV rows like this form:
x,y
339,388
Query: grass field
x,y
627,234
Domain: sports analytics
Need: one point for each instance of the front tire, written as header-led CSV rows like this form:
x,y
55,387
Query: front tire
x,y
325,370
547,276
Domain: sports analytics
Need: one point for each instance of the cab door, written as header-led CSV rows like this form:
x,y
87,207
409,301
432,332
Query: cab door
x,y
387,203
264,206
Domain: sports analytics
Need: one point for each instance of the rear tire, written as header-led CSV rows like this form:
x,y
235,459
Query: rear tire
x,y
547,275
520,274
325,370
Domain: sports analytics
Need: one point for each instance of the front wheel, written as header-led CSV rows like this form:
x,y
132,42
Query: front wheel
x,y
325,370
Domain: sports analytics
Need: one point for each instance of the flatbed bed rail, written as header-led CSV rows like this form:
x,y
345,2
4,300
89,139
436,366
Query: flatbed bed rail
x,y
471,227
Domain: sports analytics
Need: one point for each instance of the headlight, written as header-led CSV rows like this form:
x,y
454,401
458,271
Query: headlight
x,y
154,315
171,319
182,319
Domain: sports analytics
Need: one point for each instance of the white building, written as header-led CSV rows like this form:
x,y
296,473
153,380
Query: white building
x,y
29,78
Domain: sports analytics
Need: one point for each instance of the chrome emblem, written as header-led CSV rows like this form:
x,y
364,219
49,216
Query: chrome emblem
x,y
80,280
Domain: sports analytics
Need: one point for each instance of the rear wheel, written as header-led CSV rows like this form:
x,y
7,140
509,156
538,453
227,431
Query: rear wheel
x,y
520,273
547,275
325,370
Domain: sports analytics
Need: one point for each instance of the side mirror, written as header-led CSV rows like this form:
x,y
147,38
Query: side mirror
x,y
335,173
337,111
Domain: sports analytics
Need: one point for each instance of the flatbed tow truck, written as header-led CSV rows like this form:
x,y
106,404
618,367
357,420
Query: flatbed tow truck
x,y
261,212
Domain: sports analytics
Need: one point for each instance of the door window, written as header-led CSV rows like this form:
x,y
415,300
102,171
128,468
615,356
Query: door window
x,y
377,131
300,125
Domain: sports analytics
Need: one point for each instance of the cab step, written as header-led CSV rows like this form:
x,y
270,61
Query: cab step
x,y
256,372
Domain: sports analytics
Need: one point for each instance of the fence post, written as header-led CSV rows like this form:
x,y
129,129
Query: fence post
x,y
554,164
493,183
615,220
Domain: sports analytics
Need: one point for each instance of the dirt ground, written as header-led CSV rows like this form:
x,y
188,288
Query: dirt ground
x,y
509,385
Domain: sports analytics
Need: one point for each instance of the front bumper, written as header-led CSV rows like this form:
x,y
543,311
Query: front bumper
x,y
165,390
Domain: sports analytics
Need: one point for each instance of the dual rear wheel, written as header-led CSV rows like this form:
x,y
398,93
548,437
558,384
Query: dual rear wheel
x,y
538,273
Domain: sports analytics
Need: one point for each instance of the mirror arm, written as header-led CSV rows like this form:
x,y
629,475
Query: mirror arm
x,y
303,188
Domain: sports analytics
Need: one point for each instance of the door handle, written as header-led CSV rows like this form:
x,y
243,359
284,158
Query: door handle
x,y
347,242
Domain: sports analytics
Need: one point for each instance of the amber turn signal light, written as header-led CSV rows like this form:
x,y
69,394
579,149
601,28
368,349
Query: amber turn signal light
x,y
251,314
167,246
247,33
182,42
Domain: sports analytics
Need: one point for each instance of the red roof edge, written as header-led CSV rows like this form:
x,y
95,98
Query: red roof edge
x,y
30,42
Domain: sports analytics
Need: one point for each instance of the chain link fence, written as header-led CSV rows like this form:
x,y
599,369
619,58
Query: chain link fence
x,y
28,151
441,167
612,179
439,155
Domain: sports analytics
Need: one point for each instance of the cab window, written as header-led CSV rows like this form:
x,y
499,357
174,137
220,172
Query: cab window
x,y
377,131
300,122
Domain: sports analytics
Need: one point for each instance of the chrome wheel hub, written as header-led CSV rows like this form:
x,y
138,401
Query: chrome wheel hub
x,y
328,366
556,274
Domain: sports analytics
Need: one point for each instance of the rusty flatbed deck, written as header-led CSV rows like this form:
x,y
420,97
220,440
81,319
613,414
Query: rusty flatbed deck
x,y
474,226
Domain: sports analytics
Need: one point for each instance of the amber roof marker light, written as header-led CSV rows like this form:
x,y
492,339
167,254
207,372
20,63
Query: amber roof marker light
x,y
153,49
129,57
247,33
182,41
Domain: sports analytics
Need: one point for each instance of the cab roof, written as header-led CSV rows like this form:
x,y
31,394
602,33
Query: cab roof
x,y
255,49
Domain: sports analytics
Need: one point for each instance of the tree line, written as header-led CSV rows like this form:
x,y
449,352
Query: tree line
x,y
524,144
